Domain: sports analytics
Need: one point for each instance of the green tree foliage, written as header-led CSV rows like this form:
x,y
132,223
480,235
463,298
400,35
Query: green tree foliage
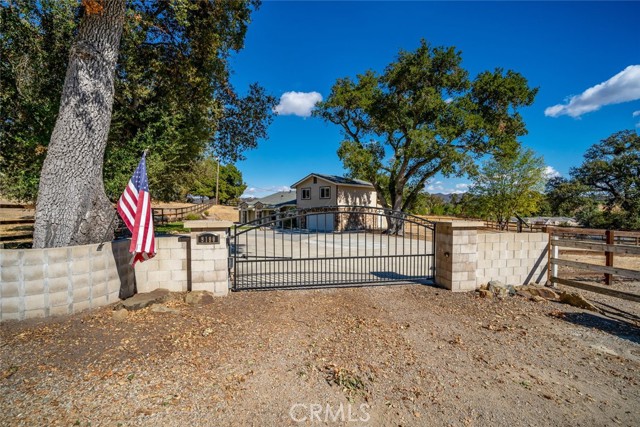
x,y
507,185
34,45
604,191
566,197
421,117
172,90
428,204
203,181
231,184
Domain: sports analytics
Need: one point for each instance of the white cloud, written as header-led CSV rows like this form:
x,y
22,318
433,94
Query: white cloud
x,y
440,187
249,192
297,103
623,87
550,172
636,113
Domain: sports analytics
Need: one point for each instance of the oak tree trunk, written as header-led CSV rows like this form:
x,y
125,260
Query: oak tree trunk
x,y
395,223
72,207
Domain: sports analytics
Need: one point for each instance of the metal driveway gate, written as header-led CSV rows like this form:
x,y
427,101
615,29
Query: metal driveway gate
x,y
330,247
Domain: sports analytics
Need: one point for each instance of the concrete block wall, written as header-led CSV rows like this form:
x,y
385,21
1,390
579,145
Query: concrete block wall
x,y
210,263
168,269
457,255
46,282
512,258
209,268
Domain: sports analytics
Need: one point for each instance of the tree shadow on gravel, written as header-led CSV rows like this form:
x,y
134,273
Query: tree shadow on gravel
x,y
619,328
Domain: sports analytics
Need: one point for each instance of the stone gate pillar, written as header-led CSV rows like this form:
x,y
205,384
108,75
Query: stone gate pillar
x,y
209,256
457,254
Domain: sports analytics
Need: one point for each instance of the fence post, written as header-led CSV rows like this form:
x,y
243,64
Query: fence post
x,y
554,252
608,277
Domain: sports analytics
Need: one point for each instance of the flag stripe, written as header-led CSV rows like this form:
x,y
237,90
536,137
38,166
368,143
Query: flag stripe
x,y
134,206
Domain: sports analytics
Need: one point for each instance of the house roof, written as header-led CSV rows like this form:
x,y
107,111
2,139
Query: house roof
x,y
340,180
280,198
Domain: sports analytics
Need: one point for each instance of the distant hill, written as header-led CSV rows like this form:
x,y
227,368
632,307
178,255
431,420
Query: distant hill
x,y
445,197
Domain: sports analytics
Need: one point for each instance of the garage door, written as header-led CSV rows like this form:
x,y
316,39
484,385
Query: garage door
x,y
320,222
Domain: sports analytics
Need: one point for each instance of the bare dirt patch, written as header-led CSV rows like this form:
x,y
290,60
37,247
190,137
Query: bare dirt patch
x,y
413,355
223,213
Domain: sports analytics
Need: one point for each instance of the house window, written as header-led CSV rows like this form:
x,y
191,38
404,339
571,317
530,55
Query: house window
x,y
315,180
306,193
325,192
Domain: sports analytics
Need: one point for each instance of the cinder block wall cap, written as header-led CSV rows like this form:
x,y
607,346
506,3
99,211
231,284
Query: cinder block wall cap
x,y
203,224
463,224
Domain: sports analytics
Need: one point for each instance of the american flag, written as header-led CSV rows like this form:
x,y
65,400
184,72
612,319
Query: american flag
x,y
134,208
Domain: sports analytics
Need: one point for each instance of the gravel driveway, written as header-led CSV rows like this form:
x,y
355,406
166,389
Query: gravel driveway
x,y
394,355
285,258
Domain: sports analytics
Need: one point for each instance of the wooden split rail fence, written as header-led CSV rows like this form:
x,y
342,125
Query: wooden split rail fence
x,y
160,216
592,241
165,215
515,226
26,223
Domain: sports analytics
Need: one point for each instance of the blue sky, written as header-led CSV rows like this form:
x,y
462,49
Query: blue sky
x,y
566,49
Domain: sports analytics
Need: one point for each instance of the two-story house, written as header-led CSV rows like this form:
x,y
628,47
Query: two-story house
x,y
318,190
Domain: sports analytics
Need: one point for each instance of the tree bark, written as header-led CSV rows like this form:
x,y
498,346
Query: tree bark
x,y
72,207
395,223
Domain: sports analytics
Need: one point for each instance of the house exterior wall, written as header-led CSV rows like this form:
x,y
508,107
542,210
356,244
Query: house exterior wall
x,y
340,194
367,220
315,201
246,215
357,196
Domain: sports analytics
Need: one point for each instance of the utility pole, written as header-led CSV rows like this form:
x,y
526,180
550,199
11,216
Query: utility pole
x,y
217,180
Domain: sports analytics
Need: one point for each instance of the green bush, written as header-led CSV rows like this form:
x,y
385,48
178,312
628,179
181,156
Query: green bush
x,y
192,216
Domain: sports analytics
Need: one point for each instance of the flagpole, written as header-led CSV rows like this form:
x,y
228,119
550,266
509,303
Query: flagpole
x,y
106,234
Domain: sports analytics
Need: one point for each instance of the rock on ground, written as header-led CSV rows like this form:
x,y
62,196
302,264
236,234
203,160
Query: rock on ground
x,y
577,300
120,314
163,309
485,293
140,301
540,292
199,298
